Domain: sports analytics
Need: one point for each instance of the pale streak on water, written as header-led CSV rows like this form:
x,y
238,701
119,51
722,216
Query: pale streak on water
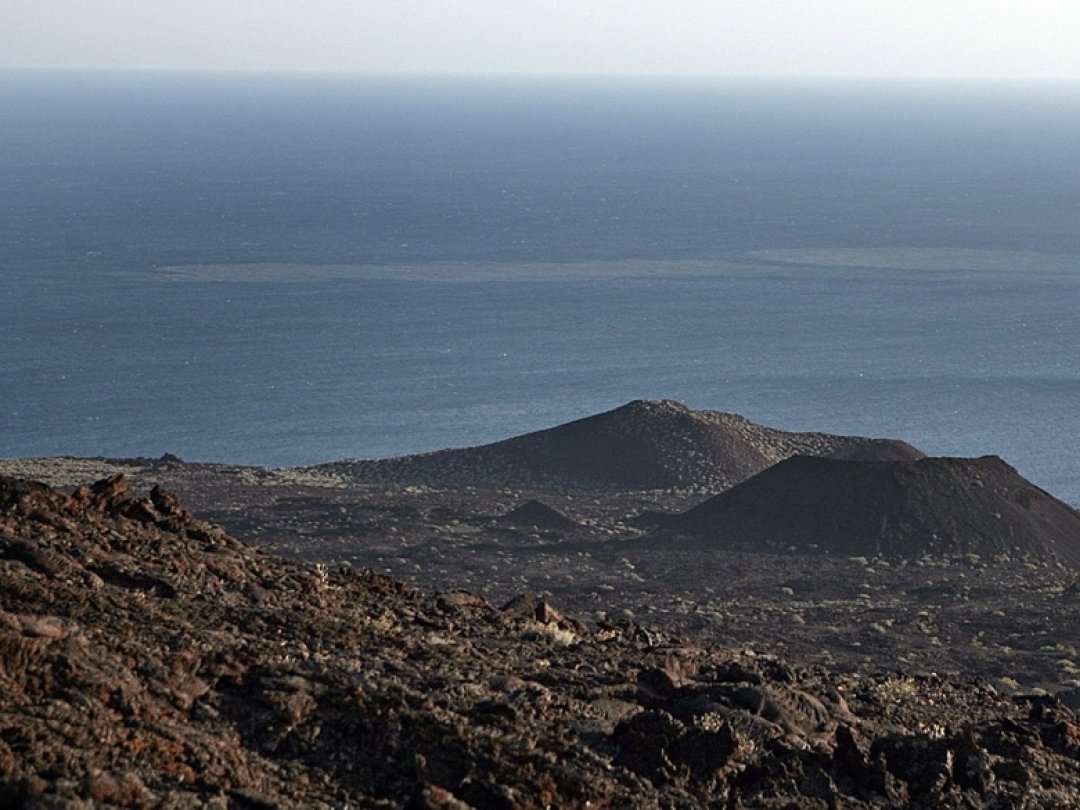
x,y
254,270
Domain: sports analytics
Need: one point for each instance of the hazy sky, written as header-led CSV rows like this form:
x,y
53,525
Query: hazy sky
x,y
980,38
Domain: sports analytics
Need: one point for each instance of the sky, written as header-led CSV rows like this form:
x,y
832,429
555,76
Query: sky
x,y
807,38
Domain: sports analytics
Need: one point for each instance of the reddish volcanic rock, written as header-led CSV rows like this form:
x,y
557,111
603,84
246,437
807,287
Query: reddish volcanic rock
x,y
147,659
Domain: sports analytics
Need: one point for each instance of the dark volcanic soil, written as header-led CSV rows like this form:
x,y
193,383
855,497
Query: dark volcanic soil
x,y
148,659
1011,620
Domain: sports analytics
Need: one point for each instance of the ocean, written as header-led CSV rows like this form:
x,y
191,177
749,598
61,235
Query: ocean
x,y
285,270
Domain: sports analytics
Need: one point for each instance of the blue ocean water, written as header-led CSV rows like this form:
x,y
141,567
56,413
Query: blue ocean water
x,y
287,270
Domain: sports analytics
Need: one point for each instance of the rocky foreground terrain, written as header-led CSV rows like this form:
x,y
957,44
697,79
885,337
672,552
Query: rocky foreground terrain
x,y
149,659
862,559
759,618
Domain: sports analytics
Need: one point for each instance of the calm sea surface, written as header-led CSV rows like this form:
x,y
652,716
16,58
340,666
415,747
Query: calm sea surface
x,y
292,270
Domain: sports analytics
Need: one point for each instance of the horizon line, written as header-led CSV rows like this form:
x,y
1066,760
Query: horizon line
x,y
524,75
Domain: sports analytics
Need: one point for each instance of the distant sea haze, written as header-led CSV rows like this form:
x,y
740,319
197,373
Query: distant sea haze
x,y
291,270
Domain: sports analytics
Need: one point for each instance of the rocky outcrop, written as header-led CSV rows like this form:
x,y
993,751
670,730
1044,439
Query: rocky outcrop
x,y
147,659
644,445
937,506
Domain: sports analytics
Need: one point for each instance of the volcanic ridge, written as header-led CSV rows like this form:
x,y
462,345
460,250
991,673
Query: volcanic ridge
x,y
643,445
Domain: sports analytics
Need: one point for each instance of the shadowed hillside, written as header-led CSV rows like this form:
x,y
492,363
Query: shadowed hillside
x,y
932,505
644,445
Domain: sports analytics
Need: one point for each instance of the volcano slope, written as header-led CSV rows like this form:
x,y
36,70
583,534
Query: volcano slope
x,y
643,445
147,659
937,506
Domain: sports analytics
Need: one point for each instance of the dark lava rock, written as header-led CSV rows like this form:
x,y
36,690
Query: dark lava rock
x,y
194,671
644,445
941,506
